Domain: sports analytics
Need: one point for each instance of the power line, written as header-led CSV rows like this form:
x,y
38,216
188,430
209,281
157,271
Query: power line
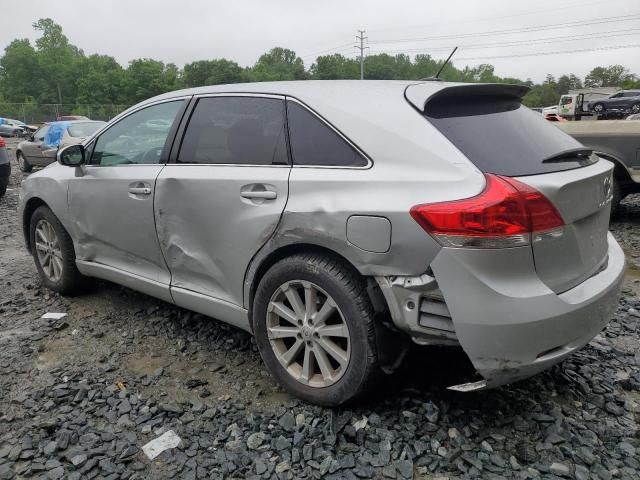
x,y
476,20
558,52
581,23
536,41
346,46
362,48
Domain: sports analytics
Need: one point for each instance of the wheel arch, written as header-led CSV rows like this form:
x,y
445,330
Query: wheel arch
x,y
619,169
30,206
264,260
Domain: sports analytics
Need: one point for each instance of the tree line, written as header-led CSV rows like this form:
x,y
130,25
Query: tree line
x,y
54,71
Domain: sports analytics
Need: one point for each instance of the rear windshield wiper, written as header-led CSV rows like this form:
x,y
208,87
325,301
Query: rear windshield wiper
x,y
580,155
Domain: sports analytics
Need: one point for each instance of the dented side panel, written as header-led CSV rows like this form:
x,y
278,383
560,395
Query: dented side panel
x,y
111,225
208,230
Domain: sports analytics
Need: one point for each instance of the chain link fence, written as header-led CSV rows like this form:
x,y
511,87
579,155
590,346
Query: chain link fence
x,y
35,114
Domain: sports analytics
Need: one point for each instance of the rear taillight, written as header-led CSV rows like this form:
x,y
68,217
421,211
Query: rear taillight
x,y
505,214
2,142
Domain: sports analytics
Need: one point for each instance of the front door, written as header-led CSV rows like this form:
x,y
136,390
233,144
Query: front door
x,y
111,198
32,150
221,200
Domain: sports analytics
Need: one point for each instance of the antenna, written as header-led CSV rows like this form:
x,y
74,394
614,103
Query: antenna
x,y
437,75
445,63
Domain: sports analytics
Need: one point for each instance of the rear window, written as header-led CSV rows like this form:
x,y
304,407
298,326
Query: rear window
x,y
501,136
84,129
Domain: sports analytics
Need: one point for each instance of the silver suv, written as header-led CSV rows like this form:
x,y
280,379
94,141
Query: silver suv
x,y
339,221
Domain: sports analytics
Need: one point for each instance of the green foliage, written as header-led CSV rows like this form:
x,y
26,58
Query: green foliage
x,y
212,72
278,64
611,76
55,71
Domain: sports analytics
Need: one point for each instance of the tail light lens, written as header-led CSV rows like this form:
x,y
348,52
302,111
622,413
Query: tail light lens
x,y
505,214
2,142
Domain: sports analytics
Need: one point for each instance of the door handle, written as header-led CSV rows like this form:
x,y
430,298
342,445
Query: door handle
x,y
264,194
140,190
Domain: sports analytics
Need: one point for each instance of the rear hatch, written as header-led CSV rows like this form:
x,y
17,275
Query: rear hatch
x,y
500,136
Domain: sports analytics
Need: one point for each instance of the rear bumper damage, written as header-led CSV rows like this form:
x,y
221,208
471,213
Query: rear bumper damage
x,y
509,323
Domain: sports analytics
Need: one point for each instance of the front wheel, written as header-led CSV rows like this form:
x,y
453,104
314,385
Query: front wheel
x,y
635,108
53,252
598,108
23,164
313,323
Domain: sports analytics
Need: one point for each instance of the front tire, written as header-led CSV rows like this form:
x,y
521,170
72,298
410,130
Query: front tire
x,y
599,108
23,164
635,108
314,327
53,252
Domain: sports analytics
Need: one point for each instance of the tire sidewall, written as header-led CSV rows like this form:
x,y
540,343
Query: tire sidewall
x,y
44,213
357,370
23,165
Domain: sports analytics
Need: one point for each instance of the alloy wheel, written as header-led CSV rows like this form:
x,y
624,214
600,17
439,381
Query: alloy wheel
x,y
308,333
48,251
635,108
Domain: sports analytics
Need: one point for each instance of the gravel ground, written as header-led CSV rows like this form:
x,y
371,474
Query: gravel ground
x,y
80,396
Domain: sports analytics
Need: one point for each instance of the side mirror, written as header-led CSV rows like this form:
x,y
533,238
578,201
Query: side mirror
x,y
71,155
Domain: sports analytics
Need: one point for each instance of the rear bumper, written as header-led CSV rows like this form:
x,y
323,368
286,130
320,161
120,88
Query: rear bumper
x,y
509,323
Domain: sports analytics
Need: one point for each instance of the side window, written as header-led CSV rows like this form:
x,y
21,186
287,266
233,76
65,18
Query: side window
x,y
236,130
41,133
138,138
314,143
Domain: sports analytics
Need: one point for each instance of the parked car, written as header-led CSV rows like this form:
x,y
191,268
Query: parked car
x,y
625,101
40,149
5,167
340,220
619,142
14,128
72,117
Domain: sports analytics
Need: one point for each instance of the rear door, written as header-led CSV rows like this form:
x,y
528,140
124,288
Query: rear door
x,y
221,197
500,136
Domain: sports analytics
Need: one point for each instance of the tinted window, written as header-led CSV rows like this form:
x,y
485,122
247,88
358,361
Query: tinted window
x,y
314,143
137,138
500,135
236,130
84,129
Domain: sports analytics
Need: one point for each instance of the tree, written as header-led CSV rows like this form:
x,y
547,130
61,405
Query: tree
x,y
568,82
278,64
384,67
611,76
333,67
212,72
146,78
57,59
20,75
101,81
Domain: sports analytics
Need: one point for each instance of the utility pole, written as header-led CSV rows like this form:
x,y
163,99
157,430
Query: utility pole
x,y
361,38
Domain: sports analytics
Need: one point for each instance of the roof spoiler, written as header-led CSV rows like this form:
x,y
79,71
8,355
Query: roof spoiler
x,y
419,95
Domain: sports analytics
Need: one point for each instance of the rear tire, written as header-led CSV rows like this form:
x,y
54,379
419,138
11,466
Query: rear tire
x,y
23,165
599,108
635,108
3,190
53,252
328,368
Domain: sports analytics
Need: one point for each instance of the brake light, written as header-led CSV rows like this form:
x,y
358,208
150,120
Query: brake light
x,y
2,142
505,214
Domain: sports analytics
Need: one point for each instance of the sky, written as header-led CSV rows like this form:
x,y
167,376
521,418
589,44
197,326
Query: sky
x,y
519,37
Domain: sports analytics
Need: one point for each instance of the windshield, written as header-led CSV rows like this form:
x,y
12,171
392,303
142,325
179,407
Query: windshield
x,y
499,135
84,129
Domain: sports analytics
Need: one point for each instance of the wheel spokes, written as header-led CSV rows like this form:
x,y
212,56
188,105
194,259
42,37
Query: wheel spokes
x,y
290,355
283,332
339,330
334,350
325,313
295,301
310,301
284,312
